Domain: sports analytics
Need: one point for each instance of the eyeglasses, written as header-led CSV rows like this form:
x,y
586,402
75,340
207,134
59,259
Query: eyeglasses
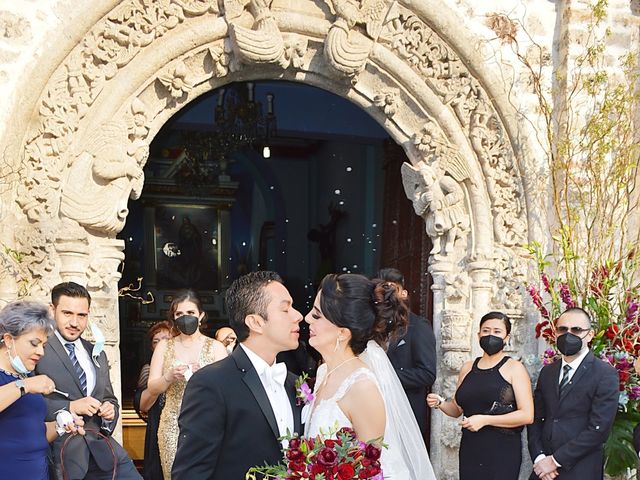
x,y
574,330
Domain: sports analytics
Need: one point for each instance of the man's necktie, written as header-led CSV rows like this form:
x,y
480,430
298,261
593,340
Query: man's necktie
x,y
565,378
71,348
277,373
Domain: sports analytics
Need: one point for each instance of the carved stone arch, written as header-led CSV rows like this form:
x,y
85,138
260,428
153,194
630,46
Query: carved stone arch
x,y
143,61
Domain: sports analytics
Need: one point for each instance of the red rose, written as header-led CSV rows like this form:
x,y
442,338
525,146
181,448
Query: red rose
x,y
349,432
294,443
612,331
297,466
316,469
372,452
329,443
374,470
327,457
346,471
295,455
624,375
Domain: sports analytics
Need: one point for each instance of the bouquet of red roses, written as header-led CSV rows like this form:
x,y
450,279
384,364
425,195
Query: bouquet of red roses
x,y
343,457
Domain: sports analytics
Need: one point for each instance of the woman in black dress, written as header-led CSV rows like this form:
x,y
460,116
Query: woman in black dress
x,y
495,400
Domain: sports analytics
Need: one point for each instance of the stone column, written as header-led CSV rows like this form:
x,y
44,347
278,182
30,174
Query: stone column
x,y
451,328
103,286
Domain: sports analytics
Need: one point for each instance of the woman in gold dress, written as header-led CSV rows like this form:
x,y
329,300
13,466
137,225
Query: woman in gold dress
x,y
173,363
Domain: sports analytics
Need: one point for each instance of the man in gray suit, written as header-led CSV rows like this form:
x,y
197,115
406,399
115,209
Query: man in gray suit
x,y
83,386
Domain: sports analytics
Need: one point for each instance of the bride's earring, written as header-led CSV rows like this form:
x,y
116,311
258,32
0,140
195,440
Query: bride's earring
x,y
338,339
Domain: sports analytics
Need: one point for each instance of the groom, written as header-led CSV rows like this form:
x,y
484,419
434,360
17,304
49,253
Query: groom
x,y
234,410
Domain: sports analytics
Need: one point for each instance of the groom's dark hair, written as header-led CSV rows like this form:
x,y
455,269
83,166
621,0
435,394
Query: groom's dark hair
x,y
247,296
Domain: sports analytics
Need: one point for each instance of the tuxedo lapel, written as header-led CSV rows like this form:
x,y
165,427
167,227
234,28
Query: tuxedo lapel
x,y
61,351
583,368
252,380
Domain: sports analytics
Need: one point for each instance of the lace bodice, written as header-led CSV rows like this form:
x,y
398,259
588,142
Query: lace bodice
x,y
326,414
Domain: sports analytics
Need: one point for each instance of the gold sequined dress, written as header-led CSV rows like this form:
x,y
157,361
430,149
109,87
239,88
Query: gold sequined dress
x,y
168,429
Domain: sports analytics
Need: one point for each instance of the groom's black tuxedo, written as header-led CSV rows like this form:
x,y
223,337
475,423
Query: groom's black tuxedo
x,y
226,423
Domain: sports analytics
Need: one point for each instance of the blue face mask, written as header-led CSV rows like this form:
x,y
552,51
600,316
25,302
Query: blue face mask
x,y
98,346
16,363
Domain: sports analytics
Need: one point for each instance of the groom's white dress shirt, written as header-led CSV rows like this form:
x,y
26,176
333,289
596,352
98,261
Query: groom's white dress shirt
x,y
275,390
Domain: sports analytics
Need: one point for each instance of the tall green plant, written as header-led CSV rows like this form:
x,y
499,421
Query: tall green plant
x,y
586,124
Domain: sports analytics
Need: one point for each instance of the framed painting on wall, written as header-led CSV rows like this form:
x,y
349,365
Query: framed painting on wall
x,y
186,247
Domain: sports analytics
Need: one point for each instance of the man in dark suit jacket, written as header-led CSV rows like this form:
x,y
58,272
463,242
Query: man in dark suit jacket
x,y
84,376
413,355
575,401
234,410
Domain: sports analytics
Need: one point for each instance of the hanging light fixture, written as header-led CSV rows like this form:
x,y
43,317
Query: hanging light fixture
x,y
238,124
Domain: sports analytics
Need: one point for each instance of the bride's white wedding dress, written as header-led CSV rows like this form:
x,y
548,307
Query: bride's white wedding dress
x,y
406,457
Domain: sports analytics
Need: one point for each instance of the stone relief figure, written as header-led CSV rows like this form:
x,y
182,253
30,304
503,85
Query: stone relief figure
x,y
439,199
264,42
101,181
347,47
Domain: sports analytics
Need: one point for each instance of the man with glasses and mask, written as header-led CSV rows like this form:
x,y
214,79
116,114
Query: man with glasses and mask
x,y
575,402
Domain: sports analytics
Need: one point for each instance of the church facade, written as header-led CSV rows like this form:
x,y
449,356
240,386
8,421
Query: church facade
x,y
87,86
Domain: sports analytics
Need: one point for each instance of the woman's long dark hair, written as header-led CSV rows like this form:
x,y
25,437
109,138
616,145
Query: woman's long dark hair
x,y
370,309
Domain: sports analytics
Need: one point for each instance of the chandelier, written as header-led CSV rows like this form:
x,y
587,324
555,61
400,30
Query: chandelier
x,y
238,124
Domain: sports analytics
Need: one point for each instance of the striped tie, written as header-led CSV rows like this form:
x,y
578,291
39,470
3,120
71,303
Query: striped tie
x,y
565,378
71,348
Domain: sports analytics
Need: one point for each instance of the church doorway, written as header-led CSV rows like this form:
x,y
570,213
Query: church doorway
x,y
302,191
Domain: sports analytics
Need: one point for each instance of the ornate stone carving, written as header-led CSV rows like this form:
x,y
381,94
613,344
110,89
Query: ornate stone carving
x,y
509,275
101,181
455,331
451,433
352,35
388,101
72,245
177,80
264,42
448,77
103,273
34,243
457,287
221,59
439,199
111,45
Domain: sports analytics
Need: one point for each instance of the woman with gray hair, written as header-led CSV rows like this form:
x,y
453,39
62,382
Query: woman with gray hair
x,y
24,328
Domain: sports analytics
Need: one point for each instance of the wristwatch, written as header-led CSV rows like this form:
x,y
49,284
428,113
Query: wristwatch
x,y
20,385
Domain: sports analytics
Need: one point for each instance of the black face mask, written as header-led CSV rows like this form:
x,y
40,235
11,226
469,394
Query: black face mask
x,y
187,324
569,344
491,344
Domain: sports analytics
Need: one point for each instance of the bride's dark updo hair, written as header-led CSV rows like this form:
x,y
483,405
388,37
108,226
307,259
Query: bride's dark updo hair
x,y
370,309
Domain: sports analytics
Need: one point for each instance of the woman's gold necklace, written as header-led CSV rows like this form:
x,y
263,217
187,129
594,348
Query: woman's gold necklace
x,y
326,378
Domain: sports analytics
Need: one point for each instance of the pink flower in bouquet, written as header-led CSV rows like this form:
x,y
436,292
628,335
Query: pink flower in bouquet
x,y
304,389
565,295
537,300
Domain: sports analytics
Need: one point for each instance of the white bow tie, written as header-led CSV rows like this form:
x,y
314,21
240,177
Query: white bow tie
x,y
276,373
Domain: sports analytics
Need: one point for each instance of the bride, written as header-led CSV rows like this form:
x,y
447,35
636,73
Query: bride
x,y
356,386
